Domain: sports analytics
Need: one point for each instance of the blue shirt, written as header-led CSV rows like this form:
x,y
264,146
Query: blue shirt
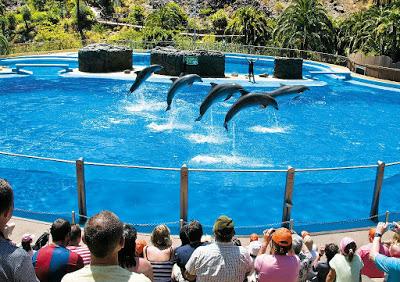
x,y
390,266
183,253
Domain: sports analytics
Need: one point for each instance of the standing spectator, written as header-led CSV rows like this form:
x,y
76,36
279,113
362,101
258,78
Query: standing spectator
x,y
26,244
103,234
251,69
221,261
183,235
55,260
127,257
389,265
74,244
346,266
253,237
161,254
369,268
183,253
322,268
15,263
279,266
305,258
253,248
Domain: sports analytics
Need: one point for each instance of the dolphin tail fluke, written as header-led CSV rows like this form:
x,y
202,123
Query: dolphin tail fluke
x,y
226,126
168,108
199,118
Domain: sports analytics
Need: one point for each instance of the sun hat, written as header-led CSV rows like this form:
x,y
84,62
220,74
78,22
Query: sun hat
x,y
371,232
223,224
26,238
282,237
254,247
297,243
344,243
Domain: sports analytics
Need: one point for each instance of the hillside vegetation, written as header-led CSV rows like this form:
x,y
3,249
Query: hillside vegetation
x,y
332,26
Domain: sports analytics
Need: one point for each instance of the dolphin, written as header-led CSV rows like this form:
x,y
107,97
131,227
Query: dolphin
x,y
179,83
285,90
247,101
142,75
217,92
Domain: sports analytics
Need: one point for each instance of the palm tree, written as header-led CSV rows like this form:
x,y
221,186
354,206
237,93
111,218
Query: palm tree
x,y
251,24
305,25
4,48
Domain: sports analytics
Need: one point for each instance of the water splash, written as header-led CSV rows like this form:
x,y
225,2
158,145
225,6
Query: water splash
x,y
209,139
155,127
229,160
272,129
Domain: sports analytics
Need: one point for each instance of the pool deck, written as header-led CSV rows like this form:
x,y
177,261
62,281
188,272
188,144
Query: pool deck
x,y
23,226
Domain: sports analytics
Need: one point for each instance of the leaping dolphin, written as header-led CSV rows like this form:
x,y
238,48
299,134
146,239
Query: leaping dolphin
x,y
285,90
178,83
247,101
142,75
217,92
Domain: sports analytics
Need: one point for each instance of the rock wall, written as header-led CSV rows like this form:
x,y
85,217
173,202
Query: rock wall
x,y
97,58
175,62
288,68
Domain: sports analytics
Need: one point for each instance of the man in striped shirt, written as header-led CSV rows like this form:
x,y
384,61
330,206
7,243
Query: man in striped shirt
x,y
74,244
54,261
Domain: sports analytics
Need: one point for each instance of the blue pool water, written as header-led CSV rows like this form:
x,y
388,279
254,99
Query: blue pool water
x,y
342,123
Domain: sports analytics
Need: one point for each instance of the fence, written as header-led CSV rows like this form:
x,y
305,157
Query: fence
x,y
185,172
186,45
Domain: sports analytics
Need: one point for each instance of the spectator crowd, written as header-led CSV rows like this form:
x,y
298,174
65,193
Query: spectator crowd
x,y
108,250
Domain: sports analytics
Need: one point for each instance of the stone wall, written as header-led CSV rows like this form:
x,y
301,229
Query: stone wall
x,y
288,68
175,62
98,58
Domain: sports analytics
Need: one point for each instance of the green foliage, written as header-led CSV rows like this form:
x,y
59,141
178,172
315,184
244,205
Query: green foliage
x,y
157,34
219,20
12,21
373,31
86,17
2,8
251,25
210,38
137,15
4,48
39,4
126,33
305,25
56,33
205,12
169,17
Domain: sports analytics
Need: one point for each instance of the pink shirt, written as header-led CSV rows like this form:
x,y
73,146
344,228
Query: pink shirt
x,y
369,268
276,268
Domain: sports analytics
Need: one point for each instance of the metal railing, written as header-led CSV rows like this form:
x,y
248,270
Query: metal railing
x,y
189,45
184,181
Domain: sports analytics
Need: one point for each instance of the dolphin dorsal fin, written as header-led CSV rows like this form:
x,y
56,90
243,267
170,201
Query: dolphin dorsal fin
x,y
182,74
173,79
281,84
213,84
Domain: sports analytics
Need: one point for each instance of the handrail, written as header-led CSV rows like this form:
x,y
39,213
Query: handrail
x,y
196,169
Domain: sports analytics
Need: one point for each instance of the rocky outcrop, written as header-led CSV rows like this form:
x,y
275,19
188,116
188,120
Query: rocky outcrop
x,y
104,58
288,68
175,62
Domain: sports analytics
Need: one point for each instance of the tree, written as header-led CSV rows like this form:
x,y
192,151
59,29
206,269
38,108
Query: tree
x,y
26,16
251,25
305,25
219,20
169,17
4,48
137,15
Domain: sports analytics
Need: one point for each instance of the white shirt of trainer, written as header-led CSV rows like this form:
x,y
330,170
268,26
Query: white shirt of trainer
x,y
220,262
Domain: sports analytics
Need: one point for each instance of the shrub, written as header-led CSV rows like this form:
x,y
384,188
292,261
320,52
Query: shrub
x,y
219,20
137,15
169,17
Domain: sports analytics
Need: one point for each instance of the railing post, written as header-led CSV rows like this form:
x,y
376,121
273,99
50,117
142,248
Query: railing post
x,y
287,200
387,216
73,218
80,177
377,191
184,193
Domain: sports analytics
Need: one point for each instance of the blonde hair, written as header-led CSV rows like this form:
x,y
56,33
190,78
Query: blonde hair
x,y
160,237
396,238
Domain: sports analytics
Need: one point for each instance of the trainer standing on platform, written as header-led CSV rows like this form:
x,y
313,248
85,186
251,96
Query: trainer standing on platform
x,y
251,69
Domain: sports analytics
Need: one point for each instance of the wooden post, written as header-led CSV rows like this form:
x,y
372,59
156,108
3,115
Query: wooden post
x,y
287,200
380,171
387,216
73,217
80,177
184,193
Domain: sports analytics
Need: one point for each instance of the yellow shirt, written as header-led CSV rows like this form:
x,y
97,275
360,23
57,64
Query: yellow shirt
x,y
97,273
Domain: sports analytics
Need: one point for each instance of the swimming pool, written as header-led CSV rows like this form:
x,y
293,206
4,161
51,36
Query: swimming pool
x,y
336,123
